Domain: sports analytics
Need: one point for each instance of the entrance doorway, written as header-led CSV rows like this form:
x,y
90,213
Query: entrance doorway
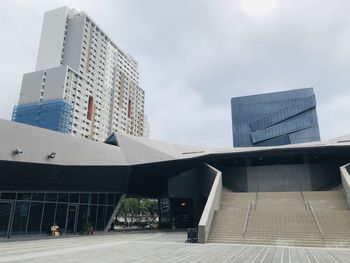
x,y
71,222
182,213
5,215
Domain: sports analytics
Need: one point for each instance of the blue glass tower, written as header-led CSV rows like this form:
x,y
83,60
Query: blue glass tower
x,y
276,118
54,115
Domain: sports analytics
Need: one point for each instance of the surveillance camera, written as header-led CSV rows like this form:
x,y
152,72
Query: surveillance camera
x,y
18,151
52,155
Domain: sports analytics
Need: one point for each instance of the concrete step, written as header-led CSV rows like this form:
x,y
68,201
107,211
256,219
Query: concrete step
x,y
280,218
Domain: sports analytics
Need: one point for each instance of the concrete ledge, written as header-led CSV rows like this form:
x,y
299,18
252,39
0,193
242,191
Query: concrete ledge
x,y
213,203
345,178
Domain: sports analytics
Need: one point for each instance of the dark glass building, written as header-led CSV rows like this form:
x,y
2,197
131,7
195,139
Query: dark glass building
x,y
276,118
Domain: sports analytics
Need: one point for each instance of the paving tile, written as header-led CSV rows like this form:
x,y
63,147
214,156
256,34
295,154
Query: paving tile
x,y
167,247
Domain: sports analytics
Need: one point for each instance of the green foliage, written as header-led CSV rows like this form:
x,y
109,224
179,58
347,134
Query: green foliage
x,y
137,208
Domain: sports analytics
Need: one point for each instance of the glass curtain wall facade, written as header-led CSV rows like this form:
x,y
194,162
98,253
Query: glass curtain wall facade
x,y
35,213
54,115
277,118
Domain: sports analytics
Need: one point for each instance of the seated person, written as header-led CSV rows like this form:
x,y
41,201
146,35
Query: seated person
x,y
55,230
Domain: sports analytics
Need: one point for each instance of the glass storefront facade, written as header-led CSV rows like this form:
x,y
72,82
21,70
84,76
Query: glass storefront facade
x,y
34,213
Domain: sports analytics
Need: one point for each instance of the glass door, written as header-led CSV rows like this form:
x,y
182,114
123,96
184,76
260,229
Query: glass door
x,y
71,226
5,215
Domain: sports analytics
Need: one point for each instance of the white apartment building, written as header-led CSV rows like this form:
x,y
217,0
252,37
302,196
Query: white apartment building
x,y
84,84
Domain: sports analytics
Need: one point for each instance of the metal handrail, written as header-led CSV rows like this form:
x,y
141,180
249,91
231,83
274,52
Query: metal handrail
x,y
256,197
247,218
302,196
317,223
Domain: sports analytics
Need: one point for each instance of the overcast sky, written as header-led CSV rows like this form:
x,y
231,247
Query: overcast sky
x,y
194,55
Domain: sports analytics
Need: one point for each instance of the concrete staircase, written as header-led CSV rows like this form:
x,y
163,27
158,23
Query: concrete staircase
x,y
310,219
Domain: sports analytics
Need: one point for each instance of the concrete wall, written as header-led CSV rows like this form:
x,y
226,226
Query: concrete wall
x,y
292,177
36,143
32,85
184,185
79,164
52,37
345,177
55,83
324,174
235,178
73,45
278,178
213,202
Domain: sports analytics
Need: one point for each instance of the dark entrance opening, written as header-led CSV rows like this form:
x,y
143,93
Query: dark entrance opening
x,y
175,213
181,210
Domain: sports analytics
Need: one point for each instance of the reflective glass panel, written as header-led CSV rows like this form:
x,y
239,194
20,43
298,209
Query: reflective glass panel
x,y
36,210
5,211
51,197
82,218
49,216
101,217
84,198
20,218
38,196
61,214
63,197
74,198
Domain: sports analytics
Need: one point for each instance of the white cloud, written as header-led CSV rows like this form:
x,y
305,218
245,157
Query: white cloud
x,y
179,111
195,55
259,8
332,116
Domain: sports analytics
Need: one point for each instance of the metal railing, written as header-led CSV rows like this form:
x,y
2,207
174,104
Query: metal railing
x,y
256,197
302,196
247,218
317,223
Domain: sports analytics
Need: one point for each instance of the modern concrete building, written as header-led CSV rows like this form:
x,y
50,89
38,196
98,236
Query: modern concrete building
x,y
48,177
84,83
277,118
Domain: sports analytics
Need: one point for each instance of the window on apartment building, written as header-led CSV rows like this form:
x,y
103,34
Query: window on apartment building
x,y
90,108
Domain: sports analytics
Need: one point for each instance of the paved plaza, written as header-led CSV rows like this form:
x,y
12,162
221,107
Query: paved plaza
x,y
155,247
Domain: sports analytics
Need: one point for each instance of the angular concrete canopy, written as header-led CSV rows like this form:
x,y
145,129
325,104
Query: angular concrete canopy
x,y
38,143
144,167
140,150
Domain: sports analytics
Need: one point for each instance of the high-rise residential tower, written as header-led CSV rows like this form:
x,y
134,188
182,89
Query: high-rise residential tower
x,y
277,118
84,84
